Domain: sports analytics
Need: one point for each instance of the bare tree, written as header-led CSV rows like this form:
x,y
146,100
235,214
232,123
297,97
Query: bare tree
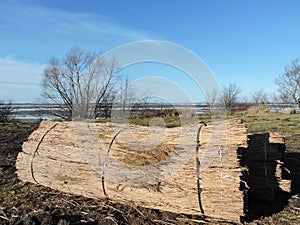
x,y
132,99
280,98
212,97
289,82
211,100
5,111
79,83
229,95
259,96
106,103
284,98
127,95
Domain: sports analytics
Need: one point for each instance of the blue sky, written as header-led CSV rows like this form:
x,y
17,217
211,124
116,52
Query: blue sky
x,y
242,42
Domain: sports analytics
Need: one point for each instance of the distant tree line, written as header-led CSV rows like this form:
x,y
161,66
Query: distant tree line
x,y
288,88
85,84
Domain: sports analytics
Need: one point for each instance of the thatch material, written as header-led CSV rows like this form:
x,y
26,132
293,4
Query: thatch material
x,y
153,168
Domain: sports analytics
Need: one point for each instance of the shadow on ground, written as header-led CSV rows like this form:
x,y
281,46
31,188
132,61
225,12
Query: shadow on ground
x,y
260,178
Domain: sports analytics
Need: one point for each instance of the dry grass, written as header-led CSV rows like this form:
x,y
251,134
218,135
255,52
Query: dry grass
x,y
289,125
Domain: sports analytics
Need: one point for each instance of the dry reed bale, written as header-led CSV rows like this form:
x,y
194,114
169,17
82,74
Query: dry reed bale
x,y
284,181
59,136
70,159
226,133
220,185
285,185
276,137
64,176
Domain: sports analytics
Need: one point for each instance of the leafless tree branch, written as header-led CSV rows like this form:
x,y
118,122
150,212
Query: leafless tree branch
x,y
289,82
80,82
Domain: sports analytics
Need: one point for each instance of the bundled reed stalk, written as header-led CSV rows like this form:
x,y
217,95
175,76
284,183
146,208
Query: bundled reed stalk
x,y
71,157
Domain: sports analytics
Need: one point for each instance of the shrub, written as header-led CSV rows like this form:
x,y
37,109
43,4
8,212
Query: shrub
x,y
5,111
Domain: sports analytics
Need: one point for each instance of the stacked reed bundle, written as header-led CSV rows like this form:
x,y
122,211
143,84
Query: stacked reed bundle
x,y
70,157
220,170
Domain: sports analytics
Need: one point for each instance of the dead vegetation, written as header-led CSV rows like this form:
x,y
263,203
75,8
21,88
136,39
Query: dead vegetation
x,y
159,163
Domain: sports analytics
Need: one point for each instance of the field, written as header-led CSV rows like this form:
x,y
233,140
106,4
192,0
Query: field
x,y
26,203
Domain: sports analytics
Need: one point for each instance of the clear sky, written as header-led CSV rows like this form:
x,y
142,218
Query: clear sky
x,y
242,42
